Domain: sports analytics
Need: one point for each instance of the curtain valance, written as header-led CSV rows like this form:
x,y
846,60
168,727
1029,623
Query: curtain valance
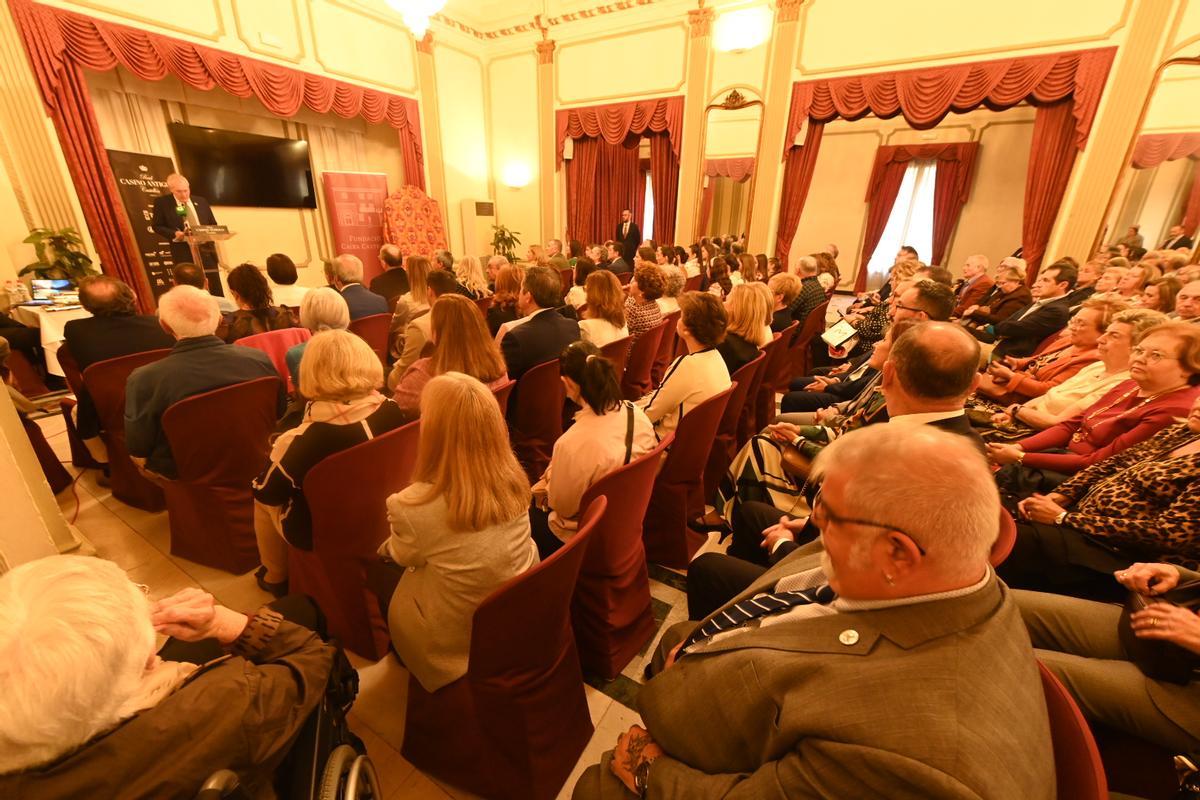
x,y
1153,149
736,169
616,121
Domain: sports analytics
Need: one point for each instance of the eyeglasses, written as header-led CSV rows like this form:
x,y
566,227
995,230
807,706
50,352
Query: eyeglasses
x,y
821,514
900,306
1150,356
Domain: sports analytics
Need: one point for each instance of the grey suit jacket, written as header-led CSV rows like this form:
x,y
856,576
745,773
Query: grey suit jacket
x,y
935,700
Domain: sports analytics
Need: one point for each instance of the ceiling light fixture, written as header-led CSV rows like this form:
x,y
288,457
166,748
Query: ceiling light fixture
x,y
416,13
741,30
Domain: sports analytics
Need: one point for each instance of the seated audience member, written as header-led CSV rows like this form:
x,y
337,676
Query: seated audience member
x,y
901,612
438,283
641,311
443,259
975,284
812,294
1078,641
785,288
600,255
412,303
1085,284
604,318
1164,371
575,251
1021,333
1135,280
460,530
347,273
536,256
937,275
282,272
469,274
198,362
393,281
1106,284
92,711
339,376
1187,303
1160,294
192,275
870,321
554,255
22,403
746,331
719,281
493,269
698,374
1143,501
619,259
255,314
1177,239
1132,238
674,281
735,270
1009,295
748,267
691,265
1015,379
1082,389
541,333
577,294
115,329
461,343
322,309
504,307
608,433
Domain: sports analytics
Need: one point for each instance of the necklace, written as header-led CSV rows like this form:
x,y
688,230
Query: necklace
x,y
1087,428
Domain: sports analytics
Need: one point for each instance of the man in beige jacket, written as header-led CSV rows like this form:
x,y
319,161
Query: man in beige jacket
x,y
891,665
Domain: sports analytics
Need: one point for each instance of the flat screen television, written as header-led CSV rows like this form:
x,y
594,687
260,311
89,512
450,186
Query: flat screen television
x,y
228,168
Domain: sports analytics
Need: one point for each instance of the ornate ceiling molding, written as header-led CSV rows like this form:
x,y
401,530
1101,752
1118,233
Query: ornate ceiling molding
x,y
533,25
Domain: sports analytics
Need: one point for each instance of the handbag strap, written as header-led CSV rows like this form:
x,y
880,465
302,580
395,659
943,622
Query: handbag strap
x,y
628,432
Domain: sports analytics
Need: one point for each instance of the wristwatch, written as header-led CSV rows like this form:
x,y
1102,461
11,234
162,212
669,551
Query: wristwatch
x,y
1061,518
641,778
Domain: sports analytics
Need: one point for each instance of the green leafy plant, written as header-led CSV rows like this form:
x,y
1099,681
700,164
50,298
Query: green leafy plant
x,y
504,242
59,254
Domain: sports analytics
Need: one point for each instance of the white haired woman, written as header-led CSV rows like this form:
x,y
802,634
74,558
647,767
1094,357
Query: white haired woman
x,y
321,309
339,375
90,710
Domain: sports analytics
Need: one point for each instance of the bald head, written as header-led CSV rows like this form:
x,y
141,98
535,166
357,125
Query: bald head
x,y
391,256
936,362
105,296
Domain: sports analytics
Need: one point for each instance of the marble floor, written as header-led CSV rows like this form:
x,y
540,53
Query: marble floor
x,y
139,542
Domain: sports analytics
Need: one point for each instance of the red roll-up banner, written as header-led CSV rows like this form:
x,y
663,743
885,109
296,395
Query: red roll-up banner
x,y
354,201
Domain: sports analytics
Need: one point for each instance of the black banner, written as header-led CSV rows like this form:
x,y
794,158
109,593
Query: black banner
x,y
140,179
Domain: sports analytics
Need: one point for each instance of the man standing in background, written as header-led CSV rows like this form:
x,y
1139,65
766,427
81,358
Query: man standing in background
x,y
629,235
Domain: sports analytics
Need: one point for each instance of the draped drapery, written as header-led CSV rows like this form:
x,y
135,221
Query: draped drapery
x,y
1153,149
1191,209
797,178
581,190
664,180
1051,157
616,121
951,190
736,169
706,205
886,177
594,206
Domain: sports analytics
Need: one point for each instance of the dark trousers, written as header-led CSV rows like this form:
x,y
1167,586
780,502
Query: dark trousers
x,y
539,527
1019,481
296,608
749,521
714,579
807,401
1063,560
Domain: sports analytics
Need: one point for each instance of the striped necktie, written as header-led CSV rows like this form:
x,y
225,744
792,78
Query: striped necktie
x,y
759,606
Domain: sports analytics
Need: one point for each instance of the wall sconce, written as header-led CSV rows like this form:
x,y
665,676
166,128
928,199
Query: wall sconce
x,y
741,30
516,175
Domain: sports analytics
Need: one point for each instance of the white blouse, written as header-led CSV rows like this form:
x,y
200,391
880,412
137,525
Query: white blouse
x,y
576,297
668,305
1077,392
689,381
601,332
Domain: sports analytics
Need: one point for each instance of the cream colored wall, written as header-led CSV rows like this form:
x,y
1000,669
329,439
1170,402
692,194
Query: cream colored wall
x,y
1153,199
513,110
13,254
1176,103
607,68
460,87
732,133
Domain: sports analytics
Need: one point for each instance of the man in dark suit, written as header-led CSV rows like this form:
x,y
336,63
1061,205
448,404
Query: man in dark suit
x,y
177,210
1020,334
542,333
393,281
1177,239
346,274
621,259
115,329
628,234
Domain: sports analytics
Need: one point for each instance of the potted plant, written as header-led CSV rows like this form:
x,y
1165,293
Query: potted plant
x,y
59,254
504,242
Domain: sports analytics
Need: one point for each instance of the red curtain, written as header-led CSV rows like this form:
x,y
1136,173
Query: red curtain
x,y
1153,149
797,178
737,169
706,204
602,181
951,189
581,194
664,180
1191,210
886,177
1051,157
614,122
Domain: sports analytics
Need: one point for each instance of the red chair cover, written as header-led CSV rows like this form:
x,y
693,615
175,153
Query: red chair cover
x,y
24,377
346,494
611,610
642,354
56,475
106,383
725,446
624,277
502,393
483,304
676,489
693,283
618,353
275,344
209,504
1076,759
567,276
374,330
516,724
667,348
800,357
1005,541
80,456
749,415
776,367
537,420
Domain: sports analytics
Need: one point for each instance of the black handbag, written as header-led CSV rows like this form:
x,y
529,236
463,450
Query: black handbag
x,y
1158,659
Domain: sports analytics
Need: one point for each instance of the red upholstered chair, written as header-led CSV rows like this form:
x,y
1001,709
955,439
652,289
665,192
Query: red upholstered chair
x,y
80,456
693,283
624,277
56,475
567,276
537,420
611,610
667,348
1076,759
800,357
1005,541
483,304
106,383
347,494
516,723
220,441
678,487
502,393
374,331
642,354
24,377
749,414
618,353
773,374
275,344
725,445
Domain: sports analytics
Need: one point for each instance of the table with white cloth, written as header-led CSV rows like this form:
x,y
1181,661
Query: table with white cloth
x,y
51,321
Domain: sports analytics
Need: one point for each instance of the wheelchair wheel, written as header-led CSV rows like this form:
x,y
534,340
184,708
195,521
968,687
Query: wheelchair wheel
x,y
349,776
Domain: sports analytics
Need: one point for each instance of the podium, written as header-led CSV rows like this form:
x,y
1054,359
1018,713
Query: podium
x,y
198,235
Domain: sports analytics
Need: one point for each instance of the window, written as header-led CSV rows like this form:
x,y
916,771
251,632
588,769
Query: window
x,y
911,221
648,214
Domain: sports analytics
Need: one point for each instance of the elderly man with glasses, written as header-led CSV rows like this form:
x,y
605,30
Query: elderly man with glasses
x,y
891,664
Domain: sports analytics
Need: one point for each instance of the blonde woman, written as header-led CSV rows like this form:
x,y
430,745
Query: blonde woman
x,y
412,303
604,318
461,529
767,298
339,374
470,275
744,333
461,343
322,309
536,255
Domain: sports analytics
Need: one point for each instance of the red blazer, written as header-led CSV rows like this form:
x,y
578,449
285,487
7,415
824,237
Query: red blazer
x,y
1049,368
971,295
